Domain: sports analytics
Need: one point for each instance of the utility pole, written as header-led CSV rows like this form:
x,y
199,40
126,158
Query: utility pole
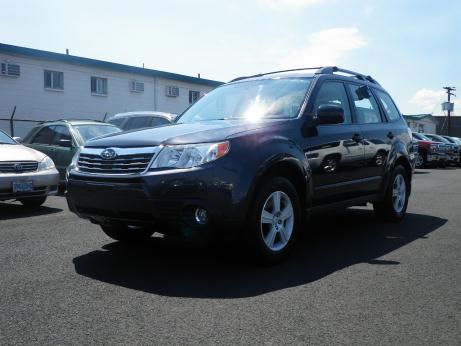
x,y
449,107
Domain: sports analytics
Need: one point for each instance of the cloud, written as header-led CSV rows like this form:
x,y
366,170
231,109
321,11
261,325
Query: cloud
x,y
287,4
428,100
325,48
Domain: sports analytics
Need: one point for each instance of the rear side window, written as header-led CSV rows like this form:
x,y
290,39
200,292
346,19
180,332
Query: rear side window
x,y
389,107
366,109
44,136
138,123
333,93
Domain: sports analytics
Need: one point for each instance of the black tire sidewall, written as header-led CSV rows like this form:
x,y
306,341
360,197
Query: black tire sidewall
x,y
258,247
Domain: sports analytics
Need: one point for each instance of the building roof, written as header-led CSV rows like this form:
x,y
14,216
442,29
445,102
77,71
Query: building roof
x,y
417,116
72,59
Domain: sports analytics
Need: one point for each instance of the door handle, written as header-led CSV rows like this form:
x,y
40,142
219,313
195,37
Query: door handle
x,y
390,135
357,137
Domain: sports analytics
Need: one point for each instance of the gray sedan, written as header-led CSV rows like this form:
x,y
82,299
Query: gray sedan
x,y
26,175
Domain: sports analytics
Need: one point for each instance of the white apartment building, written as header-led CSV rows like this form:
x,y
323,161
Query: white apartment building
x,y
48,86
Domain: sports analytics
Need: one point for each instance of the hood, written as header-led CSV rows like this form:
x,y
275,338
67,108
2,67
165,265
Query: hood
x,y
18,152
200,132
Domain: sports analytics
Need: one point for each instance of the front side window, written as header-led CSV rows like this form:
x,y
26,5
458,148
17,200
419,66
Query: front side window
x,y
333,93
99,86
61,135
279,98
54,80
366,109
389,107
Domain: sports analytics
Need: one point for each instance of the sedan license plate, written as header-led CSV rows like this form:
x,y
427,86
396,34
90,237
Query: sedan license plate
x,y
23,186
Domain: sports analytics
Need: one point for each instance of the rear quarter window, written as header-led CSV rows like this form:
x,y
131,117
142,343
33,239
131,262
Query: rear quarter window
x,y
389,107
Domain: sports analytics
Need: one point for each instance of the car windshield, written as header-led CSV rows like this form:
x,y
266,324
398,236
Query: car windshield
x,y
5,139
90,131
438,138
421,137
252,100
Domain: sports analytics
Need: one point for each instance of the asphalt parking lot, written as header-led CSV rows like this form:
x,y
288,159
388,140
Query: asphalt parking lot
x,y
354,281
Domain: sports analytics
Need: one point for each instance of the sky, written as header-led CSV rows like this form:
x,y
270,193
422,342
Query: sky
x,y
413,48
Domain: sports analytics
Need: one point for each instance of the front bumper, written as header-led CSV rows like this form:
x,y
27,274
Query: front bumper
x,y
45,183
167,198
436,157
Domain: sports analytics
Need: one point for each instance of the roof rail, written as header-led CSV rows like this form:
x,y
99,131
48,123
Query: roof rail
x,y
267,73
332,69
68,120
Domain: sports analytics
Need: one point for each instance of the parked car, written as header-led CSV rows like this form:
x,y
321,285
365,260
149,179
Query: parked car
x,y
452,148
430,152
26,175
60,139
138,120
239,162
457,142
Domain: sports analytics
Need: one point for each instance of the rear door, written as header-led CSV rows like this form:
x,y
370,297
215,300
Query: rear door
x,y
42,139
377,133
335,152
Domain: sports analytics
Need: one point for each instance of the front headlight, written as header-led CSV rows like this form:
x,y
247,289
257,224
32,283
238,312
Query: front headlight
x,y
46,164
189,155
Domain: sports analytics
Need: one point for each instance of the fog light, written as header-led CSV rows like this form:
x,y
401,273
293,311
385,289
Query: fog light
x,y
201,216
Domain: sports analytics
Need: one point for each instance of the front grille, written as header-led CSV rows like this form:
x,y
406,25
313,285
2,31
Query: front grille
x,y
130,163
18,166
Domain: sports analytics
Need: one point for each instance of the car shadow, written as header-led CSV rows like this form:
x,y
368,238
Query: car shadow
x,y
10,211
174,268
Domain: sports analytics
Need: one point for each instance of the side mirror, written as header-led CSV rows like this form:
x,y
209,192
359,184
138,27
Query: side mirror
x,y
330,114
18,139
363,92
66,143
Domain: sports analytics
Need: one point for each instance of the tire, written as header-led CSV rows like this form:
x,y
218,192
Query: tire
x,y
33,202
421,160
126,233
393,207
274,220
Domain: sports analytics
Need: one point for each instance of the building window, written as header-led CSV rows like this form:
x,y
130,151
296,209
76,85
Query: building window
x,y
172,91
12,70
136,87
99,86
54,80
193,96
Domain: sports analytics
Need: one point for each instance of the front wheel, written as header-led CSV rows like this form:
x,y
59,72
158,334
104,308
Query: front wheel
x,y
274,220
394,204
127,233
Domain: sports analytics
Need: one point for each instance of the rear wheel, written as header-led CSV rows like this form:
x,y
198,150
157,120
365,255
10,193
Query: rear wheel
x,y
420,160
127,233
33,202
394,204
275,220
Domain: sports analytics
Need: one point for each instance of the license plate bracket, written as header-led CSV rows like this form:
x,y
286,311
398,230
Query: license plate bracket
x,y
23,186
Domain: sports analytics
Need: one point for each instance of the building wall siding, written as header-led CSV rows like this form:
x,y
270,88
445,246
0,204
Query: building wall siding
x,y
34,102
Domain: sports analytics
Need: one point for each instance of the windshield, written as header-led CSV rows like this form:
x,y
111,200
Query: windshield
x,y
88,131
421,137
438,138
252,100
5,139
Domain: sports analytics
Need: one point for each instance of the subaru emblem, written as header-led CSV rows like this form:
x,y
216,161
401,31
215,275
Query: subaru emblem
x,y
108,154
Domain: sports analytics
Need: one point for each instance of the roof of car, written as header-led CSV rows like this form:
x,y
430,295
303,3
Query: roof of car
x,y
76,122
169,116
335,71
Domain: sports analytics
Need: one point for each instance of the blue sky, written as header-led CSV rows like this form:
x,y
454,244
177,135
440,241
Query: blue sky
x,y
413,48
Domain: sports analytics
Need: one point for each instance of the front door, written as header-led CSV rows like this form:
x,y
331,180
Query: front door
x,y
335,152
